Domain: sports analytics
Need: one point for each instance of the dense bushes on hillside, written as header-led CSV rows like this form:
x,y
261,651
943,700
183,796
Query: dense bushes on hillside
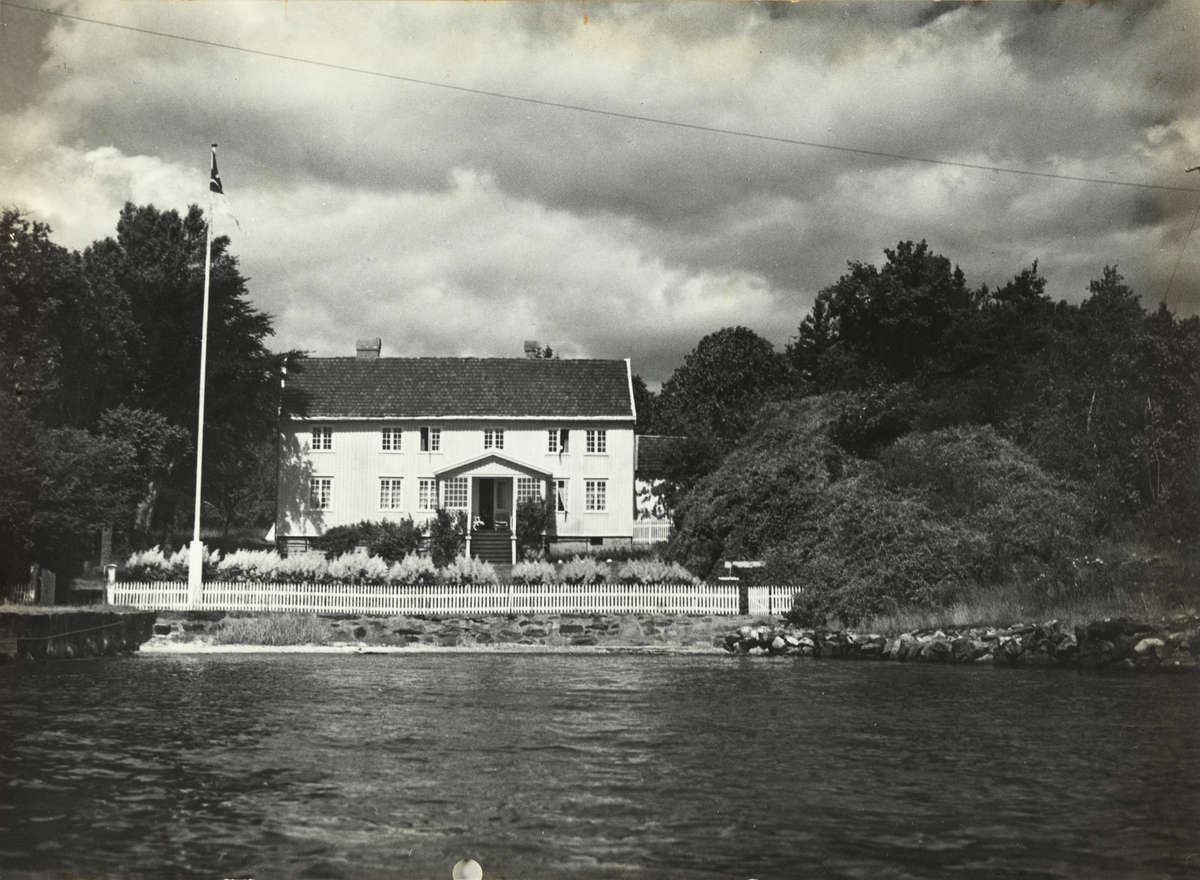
x,y
931,514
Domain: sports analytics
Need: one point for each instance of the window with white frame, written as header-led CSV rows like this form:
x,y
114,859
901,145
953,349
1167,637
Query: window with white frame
x,y
390,495
493,438
431,439
527,488
454,493
597,441
320,493
595,496
560,496
426,494
556,440
391,439
322,438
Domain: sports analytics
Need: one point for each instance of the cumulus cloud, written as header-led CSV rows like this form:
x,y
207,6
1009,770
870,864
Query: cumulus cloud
x,y
453,221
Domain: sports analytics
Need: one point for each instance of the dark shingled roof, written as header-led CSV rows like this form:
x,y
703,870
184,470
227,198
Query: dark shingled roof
x,y
651,455
344,387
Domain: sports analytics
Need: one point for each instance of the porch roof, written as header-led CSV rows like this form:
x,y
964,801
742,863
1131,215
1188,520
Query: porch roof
x,y
493,461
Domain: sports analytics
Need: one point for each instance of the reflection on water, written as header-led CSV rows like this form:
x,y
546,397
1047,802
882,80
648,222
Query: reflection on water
x,y
559,766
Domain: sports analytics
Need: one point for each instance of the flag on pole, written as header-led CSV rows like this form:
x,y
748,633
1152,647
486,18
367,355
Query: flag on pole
x,y
215,187
214,179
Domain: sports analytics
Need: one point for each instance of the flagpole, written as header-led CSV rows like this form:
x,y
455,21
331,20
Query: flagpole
x,y
196,552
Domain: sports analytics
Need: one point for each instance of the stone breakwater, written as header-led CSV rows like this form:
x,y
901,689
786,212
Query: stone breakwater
x,y
56,633
1172,643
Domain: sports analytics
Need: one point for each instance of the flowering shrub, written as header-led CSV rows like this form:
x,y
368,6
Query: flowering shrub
x,y
652,571
468,570
310,566
412,570
358,567
155,565
584,570
536,572
250,565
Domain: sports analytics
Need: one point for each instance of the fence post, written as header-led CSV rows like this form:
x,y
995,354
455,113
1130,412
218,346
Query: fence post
x,y
46,591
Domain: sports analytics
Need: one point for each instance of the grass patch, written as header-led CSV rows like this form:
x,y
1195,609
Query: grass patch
x,y
1001,607
272,630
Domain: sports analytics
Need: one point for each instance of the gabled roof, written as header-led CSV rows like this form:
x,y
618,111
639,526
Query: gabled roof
x,y
345,387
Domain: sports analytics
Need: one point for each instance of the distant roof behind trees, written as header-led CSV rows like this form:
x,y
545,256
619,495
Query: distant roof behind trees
x,y
652,455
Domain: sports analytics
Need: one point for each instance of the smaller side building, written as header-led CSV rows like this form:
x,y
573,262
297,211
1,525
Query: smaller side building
x,y
389,438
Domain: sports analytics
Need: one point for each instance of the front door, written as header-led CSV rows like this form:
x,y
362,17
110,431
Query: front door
x,y
487,502
502,511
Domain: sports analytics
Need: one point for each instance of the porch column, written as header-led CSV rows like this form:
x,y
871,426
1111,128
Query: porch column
x,y
513,520
470,512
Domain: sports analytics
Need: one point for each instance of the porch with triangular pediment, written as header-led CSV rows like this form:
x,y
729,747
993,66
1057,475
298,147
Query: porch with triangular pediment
x,y
495,483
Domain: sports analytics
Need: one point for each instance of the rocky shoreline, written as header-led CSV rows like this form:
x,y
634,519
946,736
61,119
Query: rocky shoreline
x,y
1169,644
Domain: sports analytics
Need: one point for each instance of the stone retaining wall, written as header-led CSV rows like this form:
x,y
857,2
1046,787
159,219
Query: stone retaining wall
x,y
56,633
1173,643
517,630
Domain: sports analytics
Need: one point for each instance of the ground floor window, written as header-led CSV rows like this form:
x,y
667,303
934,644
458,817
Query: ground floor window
x,y
320,493
454,493
560,496
390,497
528,488
426,495
595,495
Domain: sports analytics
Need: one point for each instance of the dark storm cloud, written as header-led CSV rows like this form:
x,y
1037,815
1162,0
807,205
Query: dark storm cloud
x,y
451,222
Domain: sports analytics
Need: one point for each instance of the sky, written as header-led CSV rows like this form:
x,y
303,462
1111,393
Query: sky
x,y
612,180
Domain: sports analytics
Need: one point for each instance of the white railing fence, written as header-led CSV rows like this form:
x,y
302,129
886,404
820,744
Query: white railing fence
x,y
442,599
651,531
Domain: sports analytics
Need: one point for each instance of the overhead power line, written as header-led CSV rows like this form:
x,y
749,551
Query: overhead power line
x,y
612,114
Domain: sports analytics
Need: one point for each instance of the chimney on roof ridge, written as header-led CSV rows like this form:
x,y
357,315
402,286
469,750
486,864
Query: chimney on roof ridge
x,y
368,349
531,348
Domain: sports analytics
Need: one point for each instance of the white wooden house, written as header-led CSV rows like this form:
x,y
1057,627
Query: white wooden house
x,y
389,438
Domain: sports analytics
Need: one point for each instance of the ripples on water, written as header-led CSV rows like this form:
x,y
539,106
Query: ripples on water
x,y
562,766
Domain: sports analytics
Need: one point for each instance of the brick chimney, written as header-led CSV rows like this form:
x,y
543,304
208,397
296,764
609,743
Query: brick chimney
x,y
368,349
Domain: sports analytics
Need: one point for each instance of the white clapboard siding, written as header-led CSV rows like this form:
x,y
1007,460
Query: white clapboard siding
x,y
772,601
434,600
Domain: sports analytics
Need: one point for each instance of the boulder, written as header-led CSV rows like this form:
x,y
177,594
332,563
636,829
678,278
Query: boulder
x,y
1149,646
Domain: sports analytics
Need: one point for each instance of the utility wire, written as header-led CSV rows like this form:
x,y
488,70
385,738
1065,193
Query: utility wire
x,y
1183,247
612,114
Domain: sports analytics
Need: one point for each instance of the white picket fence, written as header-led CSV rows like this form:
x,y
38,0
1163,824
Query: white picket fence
x,y
772,601
337,598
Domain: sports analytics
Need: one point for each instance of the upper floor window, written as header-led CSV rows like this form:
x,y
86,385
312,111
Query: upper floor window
x,y
493,438
322,438
595,495
556,440
391,439
527,488
431,439
426,494
597,441
320,493
454,493
390,495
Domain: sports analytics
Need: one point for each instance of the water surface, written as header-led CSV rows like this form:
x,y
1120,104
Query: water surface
x,y
561,766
